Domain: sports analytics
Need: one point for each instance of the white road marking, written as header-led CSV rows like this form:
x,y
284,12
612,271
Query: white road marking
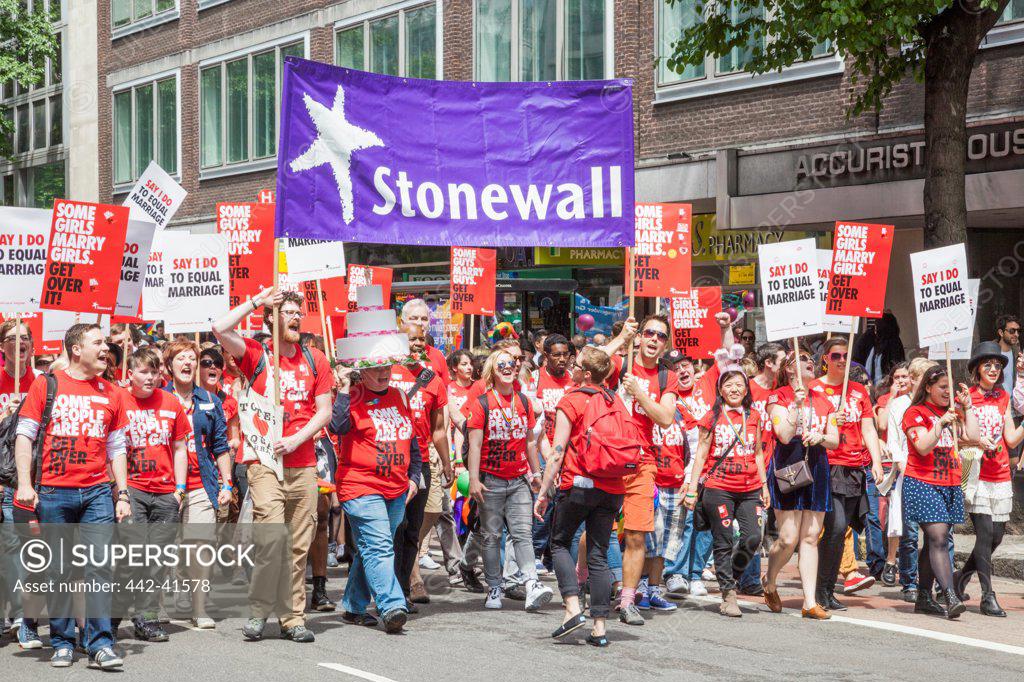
x,y
355,672
891,627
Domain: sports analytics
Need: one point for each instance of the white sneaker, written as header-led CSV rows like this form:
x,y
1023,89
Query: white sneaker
x,y
537,595
204,623
677,586
708,575
493,600
541,569
697,589
427,563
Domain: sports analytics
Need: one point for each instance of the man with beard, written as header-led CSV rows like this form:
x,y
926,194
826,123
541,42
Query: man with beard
x,y
416,311
306,381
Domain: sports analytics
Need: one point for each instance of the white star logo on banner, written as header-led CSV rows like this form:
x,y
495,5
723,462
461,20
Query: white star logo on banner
x,y
336,141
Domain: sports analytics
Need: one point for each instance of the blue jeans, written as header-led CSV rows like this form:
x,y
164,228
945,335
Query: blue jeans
x,y
542,535
752,575
93,507
694,554
875,534
374,520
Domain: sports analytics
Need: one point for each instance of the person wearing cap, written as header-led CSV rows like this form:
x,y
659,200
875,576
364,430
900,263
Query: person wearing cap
x,y
989,500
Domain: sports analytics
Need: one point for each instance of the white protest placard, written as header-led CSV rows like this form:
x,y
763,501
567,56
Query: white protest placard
x,y
961,348
56,323
838,324
789,284
310,259
155,198
261,427
154,293
137,244
940,295
24,237
196,282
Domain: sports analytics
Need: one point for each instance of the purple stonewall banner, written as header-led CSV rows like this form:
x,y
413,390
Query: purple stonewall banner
x,y
371,158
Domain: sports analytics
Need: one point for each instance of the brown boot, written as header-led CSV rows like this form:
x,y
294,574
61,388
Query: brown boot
x,y
729,607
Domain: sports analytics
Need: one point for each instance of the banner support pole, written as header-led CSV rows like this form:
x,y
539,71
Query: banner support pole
x,y
796,362
277,329
17,356
323,319
849,360
952,396
630,267
124,353
469,341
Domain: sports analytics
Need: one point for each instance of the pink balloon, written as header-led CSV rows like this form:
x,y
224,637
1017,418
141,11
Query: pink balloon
x,y
748,299
585,322
733,313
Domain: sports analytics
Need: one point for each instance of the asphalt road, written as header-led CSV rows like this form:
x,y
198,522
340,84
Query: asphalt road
x,y
453,638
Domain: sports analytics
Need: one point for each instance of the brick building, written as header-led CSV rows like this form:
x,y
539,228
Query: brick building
x,y
195,85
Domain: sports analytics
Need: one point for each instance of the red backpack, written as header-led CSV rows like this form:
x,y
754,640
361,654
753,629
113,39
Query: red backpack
x,y
608,445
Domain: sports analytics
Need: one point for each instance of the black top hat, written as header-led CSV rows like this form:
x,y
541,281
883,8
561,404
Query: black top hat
x,y
984,351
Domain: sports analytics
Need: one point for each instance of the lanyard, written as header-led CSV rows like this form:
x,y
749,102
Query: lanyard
x,y
501,410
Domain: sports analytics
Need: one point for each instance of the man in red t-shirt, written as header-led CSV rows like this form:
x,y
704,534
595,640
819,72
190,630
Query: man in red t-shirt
x,y
15,353
553,380
858,449
769,358
305,387
416,311
427,400
84,438
157,439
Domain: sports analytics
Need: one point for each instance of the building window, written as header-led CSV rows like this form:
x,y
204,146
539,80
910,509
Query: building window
x,y
47,183
238,102
37,124
538,40
145,128
1013,12
8,188
403,43
125,12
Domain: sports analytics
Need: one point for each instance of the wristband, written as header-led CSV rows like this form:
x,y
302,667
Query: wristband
x,y
180,488
122,494
252,302
226,486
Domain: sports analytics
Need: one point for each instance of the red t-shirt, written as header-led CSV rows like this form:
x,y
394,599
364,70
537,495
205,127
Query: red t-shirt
x,y
374,457
990,410
503,452
738,473
701,397
75,443
155,424
439,364
759,402
669,450
299,390
7,390
851,451
458,394
573,404
939,466
883,428
431,397
648,380
550,390
818,413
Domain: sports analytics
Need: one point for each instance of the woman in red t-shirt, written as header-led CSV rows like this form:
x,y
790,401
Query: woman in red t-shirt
x,y
931,487
378,474
503,476
989,500
460,364
731,462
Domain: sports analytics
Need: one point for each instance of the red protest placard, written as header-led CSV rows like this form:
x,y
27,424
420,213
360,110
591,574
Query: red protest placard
x,y
312,323
473,280
860,269
86,245
337,323
365,275
695,330
249,229
335,295
661,257
34,322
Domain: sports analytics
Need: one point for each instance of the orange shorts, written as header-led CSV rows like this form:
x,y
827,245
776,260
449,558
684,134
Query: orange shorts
x,y
638,505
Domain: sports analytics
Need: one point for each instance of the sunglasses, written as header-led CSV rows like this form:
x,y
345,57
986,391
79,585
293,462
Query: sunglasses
x,y
1012,330
507,365
835,357
208,363
652,333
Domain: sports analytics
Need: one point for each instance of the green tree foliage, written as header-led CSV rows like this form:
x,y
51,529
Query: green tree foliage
x,y
26,40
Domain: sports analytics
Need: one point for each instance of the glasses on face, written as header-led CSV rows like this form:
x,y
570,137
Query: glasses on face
x,y
207,363
836,356
507,365
747,337
653,333
1012,330
559,355
518,359
291,313
991,364
13,337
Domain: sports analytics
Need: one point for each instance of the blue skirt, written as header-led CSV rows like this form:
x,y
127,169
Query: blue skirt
x,y
815,497
929,503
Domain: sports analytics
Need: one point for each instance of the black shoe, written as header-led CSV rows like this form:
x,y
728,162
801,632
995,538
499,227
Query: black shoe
x,y
990,607
253,630
889,575
598,641
909,596
569,626
149,631
751,591
954,607
318,600
470,579
364,619
394,620
960,581
926,604
834,604
411,608
298,633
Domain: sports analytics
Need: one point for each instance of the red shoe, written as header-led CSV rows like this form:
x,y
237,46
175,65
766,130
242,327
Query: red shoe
x,y
857,582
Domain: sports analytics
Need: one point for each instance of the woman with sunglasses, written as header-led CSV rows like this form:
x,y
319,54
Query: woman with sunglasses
x,y
990,500
803,427
932,496
730,457
504,474
857,449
